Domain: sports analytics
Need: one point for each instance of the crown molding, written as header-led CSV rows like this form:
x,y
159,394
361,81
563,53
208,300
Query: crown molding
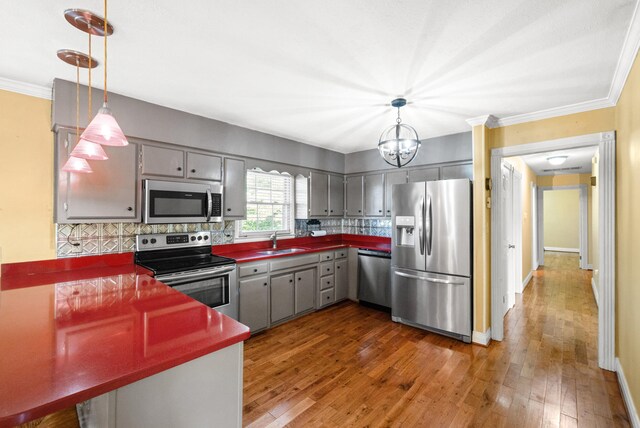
x,y
627,57
25,88
487,120
556,112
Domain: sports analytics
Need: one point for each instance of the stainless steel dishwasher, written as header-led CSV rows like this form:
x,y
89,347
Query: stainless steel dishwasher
x,y
374,277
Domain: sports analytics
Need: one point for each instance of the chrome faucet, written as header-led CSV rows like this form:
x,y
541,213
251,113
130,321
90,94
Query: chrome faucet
x,y
274,239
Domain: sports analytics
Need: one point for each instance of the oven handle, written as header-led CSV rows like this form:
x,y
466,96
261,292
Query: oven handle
x,y
211,273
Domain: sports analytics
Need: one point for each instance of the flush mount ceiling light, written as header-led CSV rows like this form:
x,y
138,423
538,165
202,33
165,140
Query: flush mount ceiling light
x,y
399,143
104,128
557,160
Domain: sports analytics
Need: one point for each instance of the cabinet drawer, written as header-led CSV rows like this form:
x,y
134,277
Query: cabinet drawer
x,y
326,282
340,254
326,256
252,269
326,268
291,262
326,297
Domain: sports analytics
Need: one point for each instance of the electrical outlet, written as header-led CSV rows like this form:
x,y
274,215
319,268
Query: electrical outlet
x,y
76,249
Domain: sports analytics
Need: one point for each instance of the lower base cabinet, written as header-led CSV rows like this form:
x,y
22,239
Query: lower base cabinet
x,y
282,297
254,303
341,280
305,288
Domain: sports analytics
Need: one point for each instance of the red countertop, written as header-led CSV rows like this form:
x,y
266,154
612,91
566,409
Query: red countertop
x,y
250,251
67,336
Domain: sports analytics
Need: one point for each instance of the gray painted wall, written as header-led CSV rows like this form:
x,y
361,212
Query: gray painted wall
x,y
449,148
157,123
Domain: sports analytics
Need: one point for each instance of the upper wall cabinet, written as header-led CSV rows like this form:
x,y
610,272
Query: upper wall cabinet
x,y
162,161
336,195
235,189
391,178
457,171
354,196
110,193
204,167
424,174
374,195
318,194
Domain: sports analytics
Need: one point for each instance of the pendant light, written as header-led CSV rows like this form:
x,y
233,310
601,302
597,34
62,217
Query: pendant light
x,y
399,143
86,149
104,129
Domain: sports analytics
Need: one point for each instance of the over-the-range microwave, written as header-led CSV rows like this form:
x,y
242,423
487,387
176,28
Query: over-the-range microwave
x,y
179,202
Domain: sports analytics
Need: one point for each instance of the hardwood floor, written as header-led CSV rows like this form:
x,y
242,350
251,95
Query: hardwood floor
x,y
351,366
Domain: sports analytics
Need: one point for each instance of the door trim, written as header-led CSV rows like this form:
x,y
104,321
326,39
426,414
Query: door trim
x,y
606,143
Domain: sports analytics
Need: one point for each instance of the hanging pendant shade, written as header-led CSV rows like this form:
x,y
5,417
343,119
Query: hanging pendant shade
x,y
104,130
88,150
75,164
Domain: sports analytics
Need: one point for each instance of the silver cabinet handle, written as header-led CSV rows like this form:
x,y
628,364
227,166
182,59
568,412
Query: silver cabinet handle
x,y
429,215
436,280
420,227
209,205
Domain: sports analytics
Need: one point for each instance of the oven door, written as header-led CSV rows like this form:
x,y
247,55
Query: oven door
x,y
176,202
212,287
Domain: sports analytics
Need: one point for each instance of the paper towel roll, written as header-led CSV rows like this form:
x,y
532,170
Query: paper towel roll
x,y
318,232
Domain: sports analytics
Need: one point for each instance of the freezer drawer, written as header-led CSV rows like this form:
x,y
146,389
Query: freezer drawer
x,y
432,301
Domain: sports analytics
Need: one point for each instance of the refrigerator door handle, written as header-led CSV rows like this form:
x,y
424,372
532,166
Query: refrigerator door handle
x,y
429,216
436,280
420,226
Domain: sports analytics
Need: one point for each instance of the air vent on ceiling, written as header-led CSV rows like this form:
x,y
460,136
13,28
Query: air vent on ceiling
x,y
573,168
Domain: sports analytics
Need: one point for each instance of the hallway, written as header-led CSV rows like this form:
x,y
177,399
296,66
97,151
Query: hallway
x,y
350,365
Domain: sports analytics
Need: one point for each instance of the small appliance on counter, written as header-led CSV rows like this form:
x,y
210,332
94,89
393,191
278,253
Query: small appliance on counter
x,y
431,284
184,262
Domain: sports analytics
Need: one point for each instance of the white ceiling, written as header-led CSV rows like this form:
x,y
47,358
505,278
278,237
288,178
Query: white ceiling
x,y
324,72
578,161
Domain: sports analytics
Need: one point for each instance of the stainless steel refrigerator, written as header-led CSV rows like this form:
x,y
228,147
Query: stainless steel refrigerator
x,y
431,285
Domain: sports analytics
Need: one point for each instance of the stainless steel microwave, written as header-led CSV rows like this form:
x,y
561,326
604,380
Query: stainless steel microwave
x,y
179,202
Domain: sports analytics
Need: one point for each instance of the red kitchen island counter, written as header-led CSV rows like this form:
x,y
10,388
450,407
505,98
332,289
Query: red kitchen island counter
x,y
121,336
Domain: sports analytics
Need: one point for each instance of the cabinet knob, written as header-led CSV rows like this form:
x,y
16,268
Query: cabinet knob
x,y
325,210
291,280
193,170
379,211
337,267
359,211
129,209
179,168
299,279
328,269
255,270
265,284
228,209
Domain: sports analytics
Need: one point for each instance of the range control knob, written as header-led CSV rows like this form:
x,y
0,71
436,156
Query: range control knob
x,y
145,241
199,238
193,238
153,240
206,237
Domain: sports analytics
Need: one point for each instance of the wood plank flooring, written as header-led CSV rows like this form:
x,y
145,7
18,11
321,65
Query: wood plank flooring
x,y
349,365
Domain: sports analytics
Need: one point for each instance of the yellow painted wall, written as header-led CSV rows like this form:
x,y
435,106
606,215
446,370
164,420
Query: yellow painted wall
x,y
563,180
26,179
627,121
562,218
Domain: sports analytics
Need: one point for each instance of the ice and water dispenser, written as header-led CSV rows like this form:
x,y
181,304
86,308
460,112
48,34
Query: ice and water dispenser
x,y
405,231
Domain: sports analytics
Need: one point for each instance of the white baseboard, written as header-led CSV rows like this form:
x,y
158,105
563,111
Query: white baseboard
x,y
562,249
589,266
526,280
595,291
626,396
481,338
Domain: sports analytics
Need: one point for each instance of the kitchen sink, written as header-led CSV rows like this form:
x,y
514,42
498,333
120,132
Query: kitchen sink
x,y
282,251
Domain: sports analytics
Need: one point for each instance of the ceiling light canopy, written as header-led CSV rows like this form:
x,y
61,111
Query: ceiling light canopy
x,y
557,160
399,143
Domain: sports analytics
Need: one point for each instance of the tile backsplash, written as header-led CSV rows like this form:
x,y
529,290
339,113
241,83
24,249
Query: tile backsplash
x,y
107,238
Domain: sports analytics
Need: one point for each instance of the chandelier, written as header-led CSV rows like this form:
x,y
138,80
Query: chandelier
x,y
399,143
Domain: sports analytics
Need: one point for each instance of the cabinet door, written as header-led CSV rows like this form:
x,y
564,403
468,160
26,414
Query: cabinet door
x,y
318,194
305,286
341,281
110,192
235,189
336,195
281,297
457,171
391,178
254,303
374,195
425,174
354,196
204,167
161,161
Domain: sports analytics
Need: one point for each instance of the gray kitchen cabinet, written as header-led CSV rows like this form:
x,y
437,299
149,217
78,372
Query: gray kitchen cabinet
x,y
336,195
374,195
235,189
424,174
304,290
254,302
204,167
110,193
162,161
318,194
391,178
354,196
341,279
457,171
282,297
